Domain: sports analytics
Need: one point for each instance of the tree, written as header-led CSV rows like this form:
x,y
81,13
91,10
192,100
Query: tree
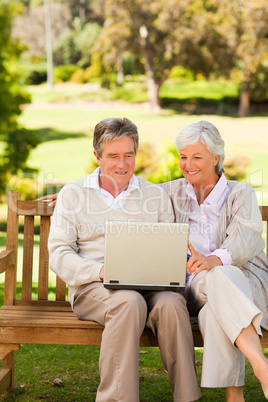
x,y
247,35
165,33
12,93
17,141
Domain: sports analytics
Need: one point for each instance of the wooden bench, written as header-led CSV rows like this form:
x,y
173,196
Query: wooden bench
x,y
43,321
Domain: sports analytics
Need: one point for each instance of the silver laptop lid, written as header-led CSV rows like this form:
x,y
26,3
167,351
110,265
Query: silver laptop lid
x,y
145,255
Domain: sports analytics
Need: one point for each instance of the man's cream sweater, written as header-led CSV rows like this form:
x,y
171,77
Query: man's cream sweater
x,y
76,240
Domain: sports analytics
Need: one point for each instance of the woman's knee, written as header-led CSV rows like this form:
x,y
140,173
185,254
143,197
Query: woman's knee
x,y
224,274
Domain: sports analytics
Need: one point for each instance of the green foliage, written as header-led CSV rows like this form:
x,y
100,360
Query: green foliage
x,y
181,72
65,51
84,40
91,72
131,92
26,186
36,74
108,80
18,142
18,145
12,93
64,73
168,166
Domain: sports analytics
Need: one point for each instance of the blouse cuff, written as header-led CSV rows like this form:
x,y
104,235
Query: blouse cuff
x,y
224,255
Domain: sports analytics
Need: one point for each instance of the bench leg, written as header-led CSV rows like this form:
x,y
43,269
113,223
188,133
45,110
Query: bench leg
x,y
7,375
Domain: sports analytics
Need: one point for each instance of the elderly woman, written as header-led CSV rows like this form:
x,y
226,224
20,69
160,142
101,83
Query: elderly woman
x,y
228,283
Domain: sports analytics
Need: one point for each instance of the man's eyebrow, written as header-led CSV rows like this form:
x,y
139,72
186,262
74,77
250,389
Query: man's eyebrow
x,y
115,153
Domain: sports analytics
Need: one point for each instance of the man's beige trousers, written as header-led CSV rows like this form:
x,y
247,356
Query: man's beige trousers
x,y
124,314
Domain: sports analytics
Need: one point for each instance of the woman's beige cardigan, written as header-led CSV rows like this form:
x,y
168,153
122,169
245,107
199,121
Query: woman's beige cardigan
x,y
239,231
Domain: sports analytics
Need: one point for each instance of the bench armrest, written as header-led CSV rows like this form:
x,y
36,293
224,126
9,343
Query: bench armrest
x,y
7,258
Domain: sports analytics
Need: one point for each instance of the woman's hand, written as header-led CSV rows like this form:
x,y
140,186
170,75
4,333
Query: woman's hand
x,y
52,198
198,262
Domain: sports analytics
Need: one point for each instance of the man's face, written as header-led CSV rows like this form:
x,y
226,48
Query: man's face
x,y
117,164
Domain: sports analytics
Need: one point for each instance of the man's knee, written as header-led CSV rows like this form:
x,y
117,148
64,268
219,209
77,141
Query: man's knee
x,y
132,302
169,302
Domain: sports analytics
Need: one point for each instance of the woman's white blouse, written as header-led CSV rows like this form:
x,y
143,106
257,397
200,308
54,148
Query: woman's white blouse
x,y
204,218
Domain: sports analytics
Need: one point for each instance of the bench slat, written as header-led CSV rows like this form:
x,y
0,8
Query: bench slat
x,y
11,244
26,293
40,303
60,289
34,208
43,258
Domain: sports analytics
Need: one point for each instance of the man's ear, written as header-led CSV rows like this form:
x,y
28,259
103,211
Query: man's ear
x,y
96,156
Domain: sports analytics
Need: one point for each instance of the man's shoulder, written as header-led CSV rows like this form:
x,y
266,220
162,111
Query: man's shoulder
x,y
73,188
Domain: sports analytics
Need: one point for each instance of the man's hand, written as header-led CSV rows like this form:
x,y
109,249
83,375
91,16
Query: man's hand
x,y
198,262
52,198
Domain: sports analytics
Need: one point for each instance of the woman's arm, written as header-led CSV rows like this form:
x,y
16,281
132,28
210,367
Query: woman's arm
x,y
52,198
199,262
242,235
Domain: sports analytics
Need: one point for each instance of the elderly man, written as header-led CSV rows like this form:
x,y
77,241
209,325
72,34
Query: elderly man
x,y
76,246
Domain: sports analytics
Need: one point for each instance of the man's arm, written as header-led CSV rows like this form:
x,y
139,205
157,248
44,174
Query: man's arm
x,y
63,247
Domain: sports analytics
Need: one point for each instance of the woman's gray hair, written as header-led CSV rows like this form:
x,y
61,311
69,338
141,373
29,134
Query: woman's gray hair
x,y
114,128
205,132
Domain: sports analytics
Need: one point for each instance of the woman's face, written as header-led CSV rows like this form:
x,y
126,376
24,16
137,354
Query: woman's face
x,y
198,165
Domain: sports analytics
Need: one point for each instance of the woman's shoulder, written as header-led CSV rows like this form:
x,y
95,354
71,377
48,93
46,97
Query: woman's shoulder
x,y
237,187
174,186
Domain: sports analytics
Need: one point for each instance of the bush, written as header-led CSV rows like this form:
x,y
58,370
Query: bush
x,y
26,186
236,167
79,76
65,51
37,75
181,72
64,73
108,80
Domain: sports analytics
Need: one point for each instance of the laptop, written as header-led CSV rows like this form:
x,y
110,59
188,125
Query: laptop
x,y
145,255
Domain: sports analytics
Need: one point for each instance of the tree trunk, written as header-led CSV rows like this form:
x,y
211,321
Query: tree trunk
x,y
153,93
152,84
82,10
244,102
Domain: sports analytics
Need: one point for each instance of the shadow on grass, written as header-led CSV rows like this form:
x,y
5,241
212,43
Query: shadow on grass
x,y
51,134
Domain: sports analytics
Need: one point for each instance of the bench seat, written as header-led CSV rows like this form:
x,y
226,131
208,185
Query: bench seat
x,y
59,326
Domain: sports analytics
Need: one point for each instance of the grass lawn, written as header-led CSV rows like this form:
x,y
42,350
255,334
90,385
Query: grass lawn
x,y
37,366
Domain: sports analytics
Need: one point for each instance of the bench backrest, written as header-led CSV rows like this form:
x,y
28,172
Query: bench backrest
x,y
29,212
